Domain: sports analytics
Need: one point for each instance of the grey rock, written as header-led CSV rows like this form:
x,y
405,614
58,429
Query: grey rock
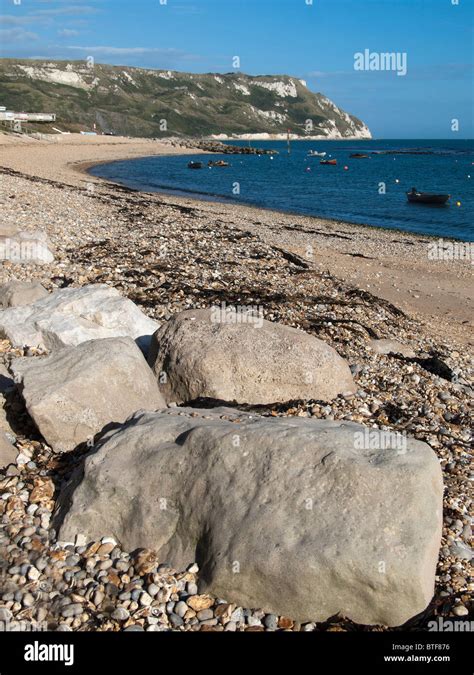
x,y
16,292
271,622
254,362
317,522
76,391
70,316
120,614
8,452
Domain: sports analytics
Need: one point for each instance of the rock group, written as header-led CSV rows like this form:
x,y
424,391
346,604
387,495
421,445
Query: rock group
x,y
300,517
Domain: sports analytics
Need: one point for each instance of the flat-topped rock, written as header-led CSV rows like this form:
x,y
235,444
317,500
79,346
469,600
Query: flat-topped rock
x,y
16,292
70,316
76,391
235,357
302,518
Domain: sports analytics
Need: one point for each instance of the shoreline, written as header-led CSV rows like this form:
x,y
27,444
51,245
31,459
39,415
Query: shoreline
x,y
219,199
390,264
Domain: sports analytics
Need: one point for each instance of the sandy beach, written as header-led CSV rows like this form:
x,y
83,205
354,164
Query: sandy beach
x,y
345,284
391,265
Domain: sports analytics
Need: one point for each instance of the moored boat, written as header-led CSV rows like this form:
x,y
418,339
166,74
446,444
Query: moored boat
x,y
359,155
194,165
219,162
315,153
333,162
415,197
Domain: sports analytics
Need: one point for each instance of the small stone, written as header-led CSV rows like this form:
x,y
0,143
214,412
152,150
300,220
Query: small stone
x,y
231,627
460,610
80,540
191,588
153,590
181,608
135,628
198,602
205,614
145,562
285,622
28,600
271,622
120,614
105,549
194,568
176,620
145,599
33,574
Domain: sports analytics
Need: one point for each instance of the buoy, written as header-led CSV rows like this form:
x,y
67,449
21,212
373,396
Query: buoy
x,y
397,180
458,203
308,169
346,168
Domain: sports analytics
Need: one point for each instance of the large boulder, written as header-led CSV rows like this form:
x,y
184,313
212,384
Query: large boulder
x,y
76,391
70,316
16,292
300,517
235,357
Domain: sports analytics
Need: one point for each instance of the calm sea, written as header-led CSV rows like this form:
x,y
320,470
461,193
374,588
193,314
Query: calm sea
x,y
369,191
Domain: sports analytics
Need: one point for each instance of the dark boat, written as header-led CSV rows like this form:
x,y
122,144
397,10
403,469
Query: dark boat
x,y
333,162
359,155
194,165
415,197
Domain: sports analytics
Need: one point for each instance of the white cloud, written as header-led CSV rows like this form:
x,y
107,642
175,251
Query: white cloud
x,y
68,32
129,50
16,35
72,10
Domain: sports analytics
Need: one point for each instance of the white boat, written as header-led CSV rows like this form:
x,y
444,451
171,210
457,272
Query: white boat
x,y
315,153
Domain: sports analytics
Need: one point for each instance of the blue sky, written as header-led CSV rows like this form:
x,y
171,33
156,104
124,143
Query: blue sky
x,y
314,41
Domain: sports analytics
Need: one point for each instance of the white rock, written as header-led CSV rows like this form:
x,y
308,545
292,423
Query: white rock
x,y
70,316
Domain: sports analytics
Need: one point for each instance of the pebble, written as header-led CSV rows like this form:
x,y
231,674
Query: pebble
x,y
460,610
120,614
271,621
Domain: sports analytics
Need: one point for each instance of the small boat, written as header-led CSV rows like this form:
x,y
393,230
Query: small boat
x,y
194,165
315,153
358,155
333,162
219,162
415,197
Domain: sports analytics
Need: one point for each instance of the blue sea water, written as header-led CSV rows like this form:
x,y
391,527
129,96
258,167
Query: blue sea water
x,y
298,184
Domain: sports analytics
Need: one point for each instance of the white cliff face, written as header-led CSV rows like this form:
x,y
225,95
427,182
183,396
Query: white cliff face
x,y
242,88
50,73
283,89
